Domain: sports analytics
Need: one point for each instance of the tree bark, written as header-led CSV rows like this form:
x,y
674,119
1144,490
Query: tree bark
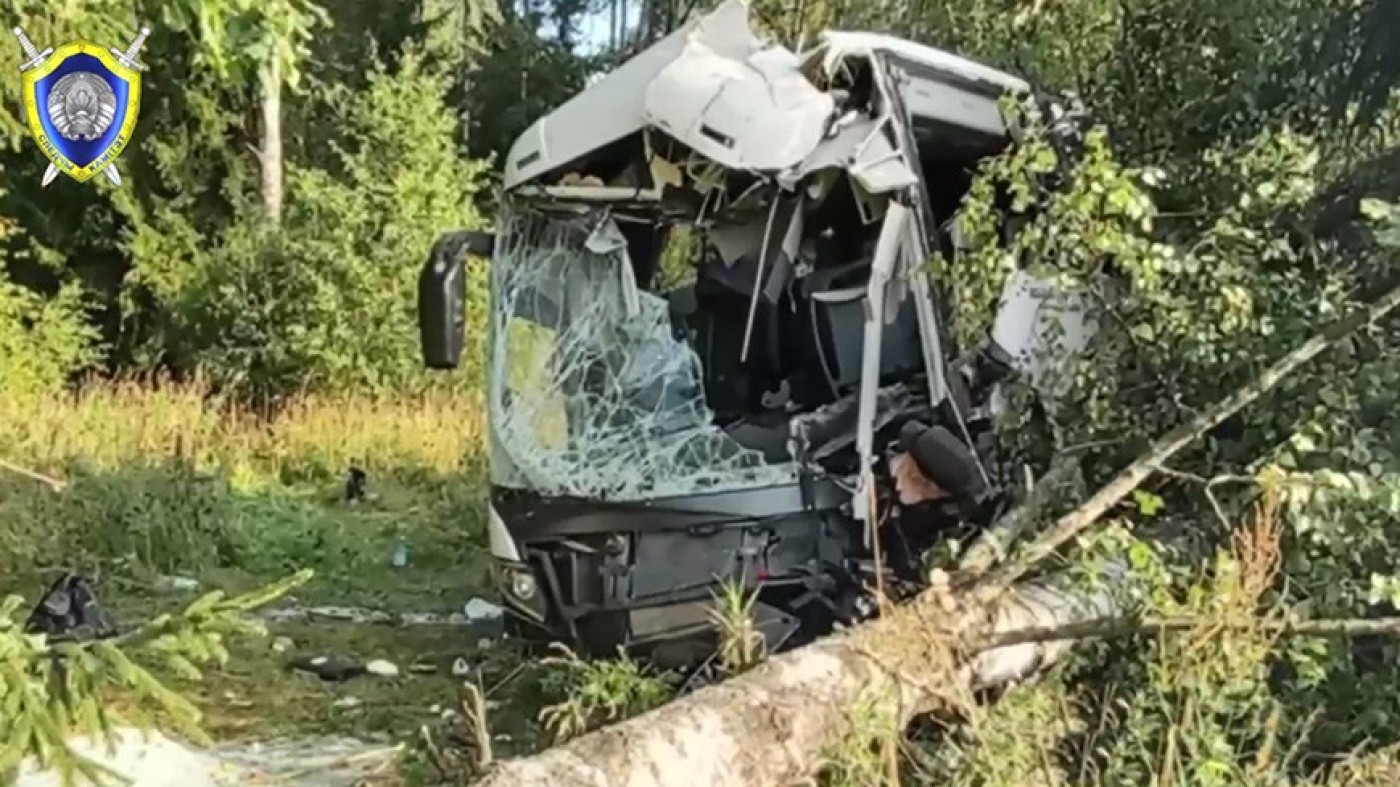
x,y
270,153
767,728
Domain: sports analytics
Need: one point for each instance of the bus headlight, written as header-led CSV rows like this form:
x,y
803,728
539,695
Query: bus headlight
x,y
522,585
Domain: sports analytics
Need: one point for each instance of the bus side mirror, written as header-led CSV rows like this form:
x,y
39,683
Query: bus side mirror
x,y
442,296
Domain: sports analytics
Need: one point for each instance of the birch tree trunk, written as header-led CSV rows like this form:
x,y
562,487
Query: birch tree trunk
x,y
767,728
270,153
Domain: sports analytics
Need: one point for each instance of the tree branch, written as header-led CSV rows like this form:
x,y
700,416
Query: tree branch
x,y
993,544
1101,628
1209,485
52,483
1072,524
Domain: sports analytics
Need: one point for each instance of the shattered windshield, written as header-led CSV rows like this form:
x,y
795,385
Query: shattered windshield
x,y
591,394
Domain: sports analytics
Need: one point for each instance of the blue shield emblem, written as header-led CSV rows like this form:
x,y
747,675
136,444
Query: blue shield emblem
x,y
81,102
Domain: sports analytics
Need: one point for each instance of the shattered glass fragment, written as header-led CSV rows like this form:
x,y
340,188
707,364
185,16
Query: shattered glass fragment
x,y
591,393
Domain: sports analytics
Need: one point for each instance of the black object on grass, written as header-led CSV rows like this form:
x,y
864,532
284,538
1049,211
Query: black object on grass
x,y
355,481
69,612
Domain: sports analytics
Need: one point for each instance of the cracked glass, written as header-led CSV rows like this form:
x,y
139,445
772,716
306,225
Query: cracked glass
x,y
591,394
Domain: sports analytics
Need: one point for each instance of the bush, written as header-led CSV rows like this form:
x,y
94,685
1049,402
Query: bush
x,y
328,300
42,341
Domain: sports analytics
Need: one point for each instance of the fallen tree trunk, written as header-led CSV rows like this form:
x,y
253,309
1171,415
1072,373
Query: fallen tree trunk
x,y
770,727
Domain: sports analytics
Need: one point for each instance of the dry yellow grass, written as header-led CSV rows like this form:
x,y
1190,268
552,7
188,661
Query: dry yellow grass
x,y
105,425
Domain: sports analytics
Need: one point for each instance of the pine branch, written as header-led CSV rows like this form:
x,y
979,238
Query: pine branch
x,y
212,609
51,691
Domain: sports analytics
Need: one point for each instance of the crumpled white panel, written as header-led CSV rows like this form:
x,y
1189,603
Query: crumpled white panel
x,y
758,114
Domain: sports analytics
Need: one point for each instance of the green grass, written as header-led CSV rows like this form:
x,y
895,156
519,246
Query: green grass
x,y
163,479
159,479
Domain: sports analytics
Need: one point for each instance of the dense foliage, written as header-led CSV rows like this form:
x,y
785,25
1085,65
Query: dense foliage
x,y
180,269
1234,194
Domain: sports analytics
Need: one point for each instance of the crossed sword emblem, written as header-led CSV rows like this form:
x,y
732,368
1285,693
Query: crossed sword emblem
x,y
35,58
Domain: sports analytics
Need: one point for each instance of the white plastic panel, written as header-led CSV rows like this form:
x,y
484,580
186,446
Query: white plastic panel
x,y
938,101
611,107
837,45
1043,328
758,113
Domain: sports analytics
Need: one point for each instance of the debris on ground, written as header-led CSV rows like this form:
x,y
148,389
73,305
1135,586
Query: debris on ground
x,y
445,714
479,609
340,668
422,668
382,668
433,619
235,701
69,612
176,584
355,481
350,615
476,611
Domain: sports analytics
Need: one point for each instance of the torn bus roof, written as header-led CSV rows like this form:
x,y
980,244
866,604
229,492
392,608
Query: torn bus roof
x,y
748,105
838,45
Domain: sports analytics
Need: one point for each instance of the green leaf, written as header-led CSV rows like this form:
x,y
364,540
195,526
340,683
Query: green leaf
x,y
1376,210
1140,557
1144,332
1147,503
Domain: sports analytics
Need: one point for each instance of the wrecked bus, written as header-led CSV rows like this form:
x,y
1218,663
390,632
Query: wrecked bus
x,y
668,416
